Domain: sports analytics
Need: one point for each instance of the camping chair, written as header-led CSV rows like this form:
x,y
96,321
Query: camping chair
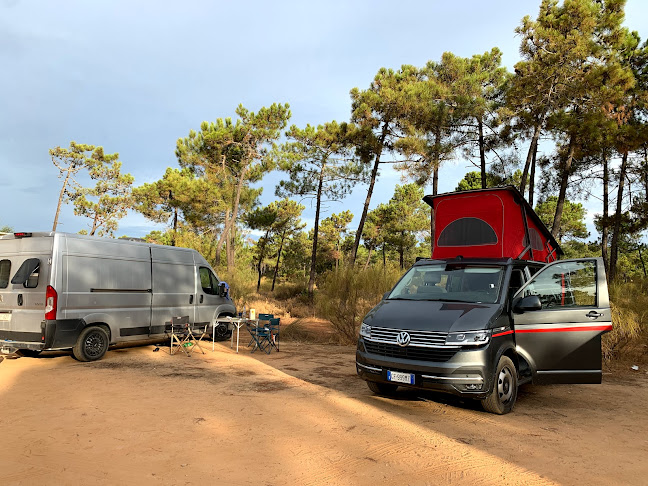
x,y
261,334
182,335
273,339
262,317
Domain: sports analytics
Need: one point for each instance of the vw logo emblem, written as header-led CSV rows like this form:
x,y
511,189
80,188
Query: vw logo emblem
x,y
403,338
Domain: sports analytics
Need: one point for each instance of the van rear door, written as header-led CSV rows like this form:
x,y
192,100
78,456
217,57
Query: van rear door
x,y
562,340
25,265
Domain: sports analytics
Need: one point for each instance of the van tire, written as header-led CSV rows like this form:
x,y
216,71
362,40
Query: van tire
x,y
502,397
382,388
91,345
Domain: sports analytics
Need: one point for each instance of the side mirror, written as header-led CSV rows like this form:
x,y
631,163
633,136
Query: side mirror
x,y
222,289
528,303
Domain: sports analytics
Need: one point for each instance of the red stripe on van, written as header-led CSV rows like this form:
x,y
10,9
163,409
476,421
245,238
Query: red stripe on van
x,y
502,333
607,327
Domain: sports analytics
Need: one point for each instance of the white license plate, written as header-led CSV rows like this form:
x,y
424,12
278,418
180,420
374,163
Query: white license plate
x,y
5,317
399,377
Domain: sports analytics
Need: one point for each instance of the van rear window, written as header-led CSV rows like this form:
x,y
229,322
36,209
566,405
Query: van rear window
x,y
5,272
27,274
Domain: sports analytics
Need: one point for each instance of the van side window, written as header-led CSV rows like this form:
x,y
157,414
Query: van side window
x,y
27,274
5,271
570,285
208,281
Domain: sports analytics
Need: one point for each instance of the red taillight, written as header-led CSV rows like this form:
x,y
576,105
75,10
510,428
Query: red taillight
x,y
50,303
22,235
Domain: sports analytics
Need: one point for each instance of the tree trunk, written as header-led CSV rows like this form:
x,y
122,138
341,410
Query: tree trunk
x,y
60,201
95,226
232,220
614,245
606,214
564,180
311,280
368,258
372,182
276,269
532,176
436,161
401,252
532,149
261,256
175,226
384,256
482,152
231,248
435,186
221,238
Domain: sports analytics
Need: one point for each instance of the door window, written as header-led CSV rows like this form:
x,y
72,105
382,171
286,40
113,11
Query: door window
x,y
569,284
5,272
208,281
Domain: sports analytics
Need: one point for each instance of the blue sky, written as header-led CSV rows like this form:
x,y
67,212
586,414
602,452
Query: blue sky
x,y
134,76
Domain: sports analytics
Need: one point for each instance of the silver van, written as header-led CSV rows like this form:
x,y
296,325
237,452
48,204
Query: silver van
x,y
68,291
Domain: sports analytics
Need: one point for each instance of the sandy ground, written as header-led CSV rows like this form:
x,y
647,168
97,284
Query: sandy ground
x,y
300,416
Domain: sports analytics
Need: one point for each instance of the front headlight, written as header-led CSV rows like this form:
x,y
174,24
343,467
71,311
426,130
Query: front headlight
x,y
468,338
365,330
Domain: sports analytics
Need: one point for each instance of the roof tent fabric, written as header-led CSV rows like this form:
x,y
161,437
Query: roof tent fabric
x,y
489,223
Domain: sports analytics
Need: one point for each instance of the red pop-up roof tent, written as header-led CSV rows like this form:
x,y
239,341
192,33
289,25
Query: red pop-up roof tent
x,y
489,223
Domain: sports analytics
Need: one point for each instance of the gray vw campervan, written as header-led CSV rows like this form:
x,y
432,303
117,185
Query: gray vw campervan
x,y
493,307
68,291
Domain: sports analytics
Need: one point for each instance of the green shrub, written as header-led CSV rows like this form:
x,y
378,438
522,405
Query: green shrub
x,y
345,296
242,282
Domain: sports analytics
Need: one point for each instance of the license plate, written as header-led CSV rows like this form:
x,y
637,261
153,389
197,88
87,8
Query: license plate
x,y
399,377
5,317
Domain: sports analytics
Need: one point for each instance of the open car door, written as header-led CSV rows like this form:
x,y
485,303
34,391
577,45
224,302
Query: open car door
x,y
559,317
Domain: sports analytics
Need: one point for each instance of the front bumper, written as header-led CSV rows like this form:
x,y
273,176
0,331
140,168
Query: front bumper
x,y
466,373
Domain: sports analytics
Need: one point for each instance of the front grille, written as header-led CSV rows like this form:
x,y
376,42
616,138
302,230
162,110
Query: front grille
x,y
409,352
417,338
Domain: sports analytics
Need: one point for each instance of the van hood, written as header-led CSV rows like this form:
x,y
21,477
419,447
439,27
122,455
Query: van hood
x,y
436,316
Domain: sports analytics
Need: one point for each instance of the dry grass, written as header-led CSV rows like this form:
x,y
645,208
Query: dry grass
x,y
629,319
348,294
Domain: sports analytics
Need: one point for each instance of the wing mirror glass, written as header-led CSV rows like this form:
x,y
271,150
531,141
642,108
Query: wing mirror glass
x,y
528,303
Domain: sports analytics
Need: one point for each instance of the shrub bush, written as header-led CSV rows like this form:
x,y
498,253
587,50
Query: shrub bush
x,y
346,295
242,282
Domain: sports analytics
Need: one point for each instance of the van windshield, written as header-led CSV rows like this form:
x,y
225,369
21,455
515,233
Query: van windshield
x,y
451,283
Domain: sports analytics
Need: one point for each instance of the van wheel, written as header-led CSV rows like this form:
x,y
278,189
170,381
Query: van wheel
x,y
505,387
91,345
382,388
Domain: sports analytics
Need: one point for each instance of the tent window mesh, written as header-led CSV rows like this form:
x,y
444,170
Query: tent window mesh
x,y
467,232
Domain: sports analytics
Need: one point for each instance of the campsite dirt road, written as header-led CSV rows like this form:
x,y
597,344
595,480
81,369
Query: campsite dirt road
x,y
300,416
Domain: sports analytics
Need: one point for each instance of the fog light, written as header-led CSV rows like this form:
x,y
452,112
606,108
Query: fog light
x,y
473,387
